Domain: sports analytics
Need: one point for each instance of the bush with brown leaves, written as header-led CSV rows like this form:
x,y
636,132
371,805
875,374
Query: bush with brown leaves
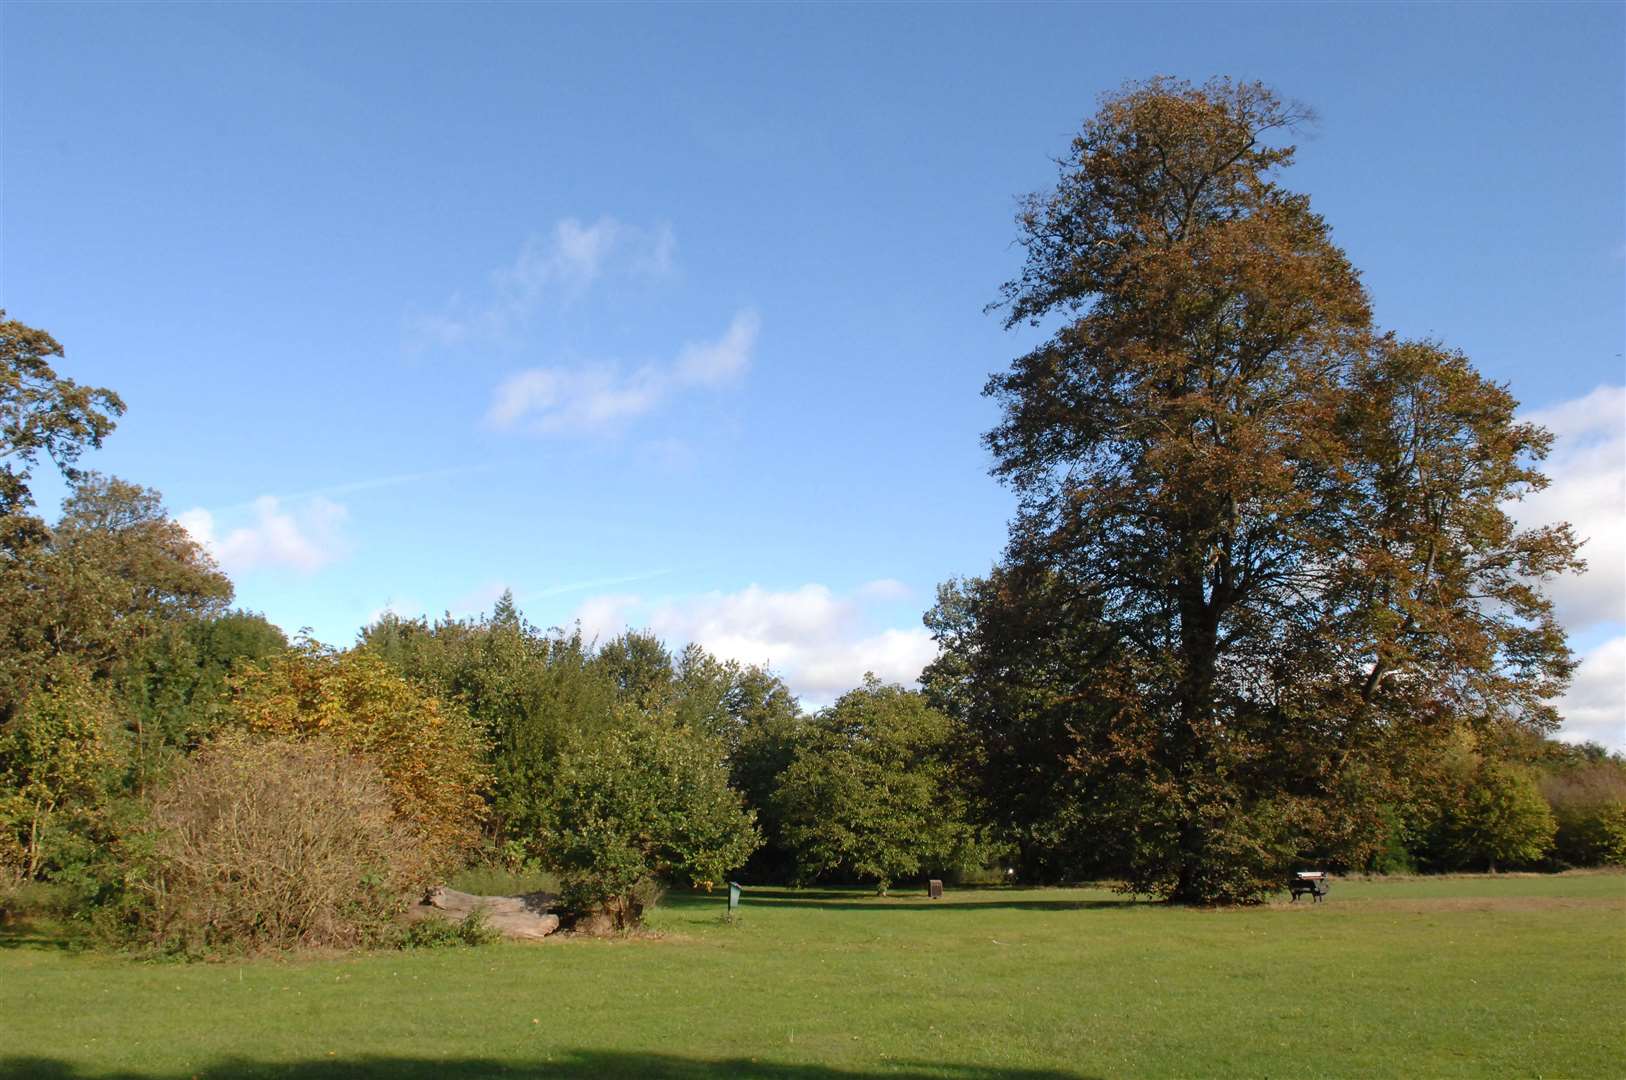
x,y
264,844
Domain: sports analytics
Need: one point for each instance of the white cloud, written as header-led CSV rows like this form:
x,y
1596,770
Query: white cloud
x,y
1588,472
304,538
549,401
604,617
1587,468
561,266
1595,706
822,643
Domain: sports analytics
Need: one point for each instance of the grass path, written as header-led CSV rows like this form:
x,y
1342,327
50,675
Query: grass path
x,y
1503,976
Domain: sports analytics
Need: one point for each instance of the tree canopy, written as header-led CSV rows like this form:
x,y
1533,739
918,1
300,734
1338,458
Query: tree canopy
x,y
874,789
649,801
43,413
1282,532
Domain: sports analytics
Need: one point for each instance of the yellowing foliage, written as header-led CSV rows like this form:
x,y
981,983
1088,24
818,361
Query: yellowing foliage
x,y
427,750
54,765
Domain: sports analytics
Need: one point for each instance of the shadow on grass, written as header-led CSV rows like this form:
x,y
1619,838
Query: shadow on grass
x,y
572,1065
865,900
26,934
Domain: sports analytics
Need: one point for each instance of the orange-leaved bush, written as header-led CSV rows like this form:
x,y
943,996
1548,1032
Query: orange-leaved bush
x,y
428,751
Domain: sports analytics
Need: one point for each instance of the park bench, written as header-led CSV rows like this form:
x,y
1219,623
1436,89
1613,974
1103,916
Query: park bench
x,y
1309,882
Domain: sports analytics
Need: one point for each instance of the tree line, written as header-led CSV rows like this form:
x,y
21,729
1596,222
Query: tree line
x,y
184,776
1262,607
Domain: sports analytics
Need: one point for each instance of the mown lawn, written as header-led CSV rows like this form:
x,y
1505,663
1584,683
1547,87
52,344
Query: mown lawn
x,y
1468,976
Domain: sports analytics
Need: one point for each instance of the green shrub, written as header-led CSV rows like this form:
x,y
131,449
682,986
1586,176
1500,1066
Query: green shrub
x,y
1592,834
1500,819
266,844
488,880
472,929
1394,856
56,770
647,801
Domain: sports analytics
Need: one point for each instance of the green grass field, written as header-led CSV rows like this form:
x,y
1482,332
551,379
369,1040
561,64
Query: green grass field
x,y
1468,976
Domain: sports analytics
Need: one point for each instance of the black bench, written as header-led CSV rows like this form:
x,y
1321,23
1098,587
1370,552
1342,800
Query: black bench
x,y
1312,883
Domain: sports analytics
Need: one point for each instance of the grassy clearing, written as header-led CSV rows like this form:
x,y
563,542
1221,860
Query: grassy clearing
x,y
1491,976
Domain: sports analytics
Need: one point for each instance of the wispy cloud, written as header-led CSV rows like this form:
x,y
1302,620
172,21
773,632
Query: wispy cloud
x,y
559,266
553,401
300,531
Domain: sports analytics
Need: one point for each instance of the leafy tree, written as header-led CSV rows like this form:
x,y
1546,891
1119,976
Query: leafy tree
x,y
1480,812
767,723
1283,533
873,789
700,690
539,695
640,667
172,693
427,750
647,801
57,762
1588,799
529,693
536,694
1014,668
1433,587
1507,820
111,575
41,413
79,600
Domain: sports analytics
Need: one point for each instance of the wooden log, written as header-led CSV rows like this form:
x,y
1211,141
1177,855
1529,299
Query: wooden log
x,y
523,917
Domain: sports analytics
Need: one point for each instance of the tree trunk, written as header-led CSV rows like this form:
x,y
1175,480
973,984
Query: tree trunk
x,y
523,917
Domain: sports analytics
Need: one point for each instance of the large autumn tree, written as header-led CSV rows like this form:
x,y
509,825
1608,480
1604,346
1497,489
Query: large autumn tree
x,y
1276,535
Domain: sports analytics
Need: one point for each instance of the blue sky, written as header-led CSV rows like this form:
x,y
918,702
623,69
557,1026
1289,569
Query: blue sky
x,y
673,315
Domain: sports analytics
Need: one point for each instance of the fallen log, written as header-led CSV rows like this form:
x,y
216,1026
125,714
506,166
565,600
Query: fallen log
x,y
524,917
